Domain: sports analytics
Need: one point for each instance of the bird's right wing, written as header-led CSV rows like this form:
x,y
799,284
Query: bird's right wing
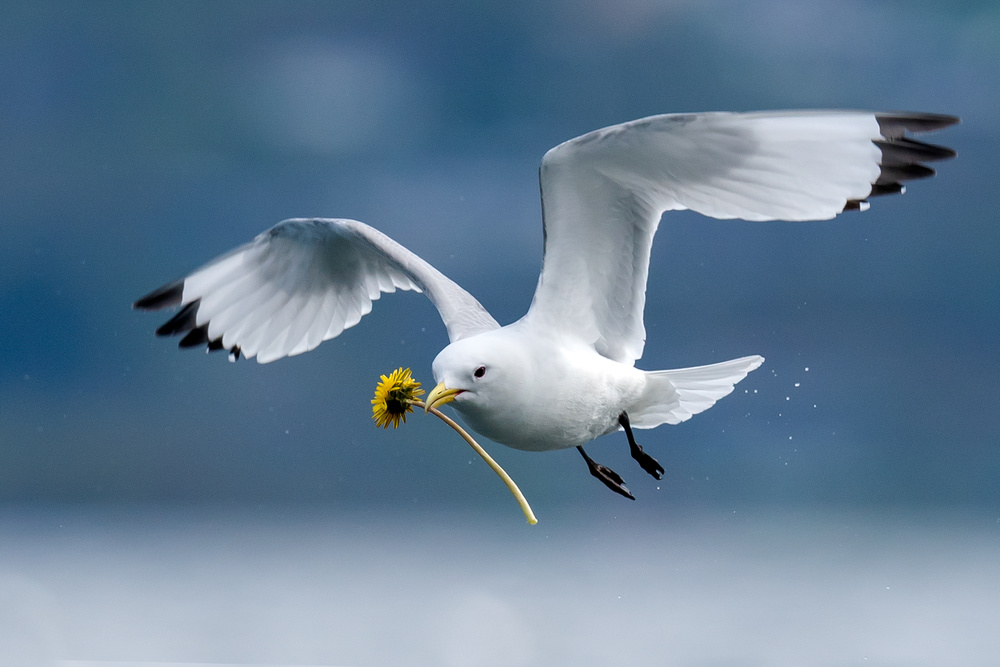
x,y
302,282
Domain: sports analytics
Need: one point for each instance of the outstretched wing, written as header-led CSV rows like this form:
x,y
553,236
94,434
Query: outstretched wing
x,y
302,282
603,194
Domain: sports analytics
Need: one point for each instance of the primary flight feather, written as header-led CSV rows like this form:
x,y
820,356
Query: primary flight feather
x,y
564,373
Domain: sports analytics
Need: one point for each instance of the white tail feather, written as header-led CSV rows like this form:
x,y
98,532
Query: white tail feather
x,y
674,396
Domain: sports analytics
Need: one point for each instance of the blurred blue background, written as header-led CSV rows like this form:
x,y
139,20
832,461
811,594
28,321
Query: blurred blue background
x,y
140,140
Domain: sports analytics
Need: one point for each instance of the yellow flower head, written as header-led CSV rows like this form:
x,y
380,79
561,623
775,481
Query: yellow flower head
x,y
393,398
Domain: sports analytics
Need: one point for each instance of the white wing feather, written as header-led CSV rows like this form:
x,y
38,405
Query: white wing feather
x,y
674,396
603,194
300,283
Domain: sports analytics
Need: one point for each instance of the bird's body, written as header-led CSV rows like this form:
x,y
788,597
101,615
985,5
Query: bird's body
x,y
580,400
580,393
564,373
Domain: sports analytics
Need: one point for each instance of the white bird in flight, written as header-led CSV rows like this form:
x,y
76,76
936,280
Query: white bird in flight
x,y
564,373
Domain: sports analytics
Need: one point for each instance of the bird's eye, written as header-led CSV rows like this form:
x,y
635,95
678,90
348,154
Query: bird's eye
x,y
479,372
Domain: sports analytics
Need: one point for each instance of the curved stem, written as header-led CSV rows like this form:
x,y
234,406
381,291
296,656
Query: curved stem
x,y
521,500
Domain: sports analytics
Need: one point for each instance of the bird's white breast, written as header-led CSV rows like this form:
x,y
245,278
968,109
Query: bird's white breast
x,y
563,395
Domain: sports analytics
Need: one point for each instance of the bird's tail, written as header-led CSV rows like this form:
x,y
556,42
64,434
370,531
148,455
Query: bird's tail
x,y
674,396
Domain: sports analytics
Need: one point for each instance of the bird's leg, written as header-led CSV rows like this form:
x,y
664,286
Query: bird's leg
x,y
609,477
648,463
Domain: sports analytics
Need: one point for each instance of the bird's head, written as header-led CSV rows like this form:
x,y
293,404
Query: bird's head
x,y
481,374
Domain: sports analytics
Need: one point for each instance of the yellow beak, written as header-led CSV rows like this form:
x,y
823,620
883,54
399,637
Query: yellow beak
x,y
439,396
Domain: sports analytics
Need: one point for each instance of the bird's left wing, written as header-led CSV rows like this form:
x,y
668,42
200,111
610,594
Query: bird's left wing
x,y
302,282
603,194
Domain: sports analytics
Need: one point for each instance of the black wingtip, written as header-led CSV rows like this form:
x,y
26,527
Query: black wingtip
x,y
894,125
234,352
902,151
195,337
185,320
903,172
163,297
902,157
882,189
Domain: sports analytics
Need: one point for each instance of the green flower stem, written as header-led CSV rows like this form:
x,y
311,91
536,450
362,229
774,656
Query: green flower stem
x,y
521,500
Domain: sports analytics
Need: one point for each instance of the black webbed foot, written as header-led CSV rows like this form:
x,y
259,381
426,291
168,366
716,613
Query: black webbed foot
x,y
647,462
609,477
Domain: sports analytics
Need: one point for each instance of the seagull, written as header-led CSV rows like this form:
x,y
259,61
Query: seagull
x,y
564,374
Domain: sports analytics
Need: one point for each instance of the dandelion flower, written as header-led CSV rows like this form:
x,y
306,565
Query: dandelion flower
x,y
394,397
397,394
